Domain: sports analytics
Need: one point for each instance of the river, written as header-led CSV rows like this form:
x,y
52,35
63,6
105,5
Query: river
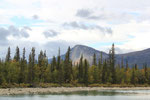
x,y
87,95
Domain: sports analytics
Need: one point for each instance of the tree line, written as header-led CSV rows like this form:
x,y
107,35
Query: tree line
x,y
20,69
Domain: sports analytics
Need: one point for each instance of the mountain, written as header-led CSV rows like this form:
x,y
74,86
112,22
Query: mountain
x,y
87,53
137,57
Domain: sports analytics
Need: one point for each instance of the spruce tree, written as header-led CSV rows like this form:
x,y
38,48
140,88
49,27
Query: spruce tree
x,y
133,76
104,72
58,60
80,76
17,55
30,69
31,66
53,64
85,72
94,60
22,68
67,67
41,65
8,57
100,62
122,63
146,73
127,66
112,64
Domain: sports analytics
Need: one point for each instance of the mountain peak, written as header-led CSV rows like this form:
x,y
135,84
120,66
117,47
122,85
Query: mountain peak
x,y
137,57
86,51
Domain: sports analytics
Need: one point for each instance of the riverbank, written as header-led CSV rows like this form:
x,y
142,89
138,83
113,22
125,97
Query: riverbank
x,y
20,91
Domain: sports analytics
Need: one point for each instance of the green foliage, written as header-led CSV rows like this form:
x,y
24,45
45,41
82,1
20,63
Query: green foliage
x,y
39,73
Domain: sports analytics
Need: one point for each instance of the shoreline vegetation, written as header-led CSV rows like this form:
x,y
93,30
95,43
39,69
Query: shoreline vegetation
x,y
58,90
50,85
39,73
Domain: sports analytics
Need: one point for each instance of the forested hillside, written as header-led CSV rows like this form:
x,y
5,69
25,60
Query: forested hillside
x,y
31,71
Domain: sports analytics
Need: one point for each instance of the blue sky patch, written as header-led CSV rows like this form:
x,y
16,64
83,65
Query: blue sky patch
x,y
101,44
22,21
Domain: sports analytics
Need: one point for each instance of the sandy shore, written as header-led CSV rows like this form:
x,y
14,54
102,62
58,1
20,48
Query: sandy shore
x,y
19,91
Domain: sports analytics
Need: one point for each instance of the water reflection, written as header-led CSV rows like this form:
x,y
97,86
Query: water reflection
x,y
107,92
87,95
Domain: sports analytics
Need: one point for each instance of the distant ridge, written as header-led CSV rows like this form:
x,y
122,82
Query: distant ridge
x,y
137,57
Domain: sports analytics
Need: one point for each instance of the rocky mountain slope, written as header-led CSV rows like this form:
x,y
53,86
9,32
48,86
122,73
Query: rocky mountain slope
x,y
137,57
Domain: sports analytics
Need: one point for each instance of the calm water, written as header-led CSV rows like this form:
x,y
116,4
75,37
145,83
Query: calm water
x,y
85,95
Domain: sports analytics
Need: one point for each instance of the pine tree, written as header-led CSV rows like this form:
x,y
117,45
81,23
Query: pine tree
x,y
8,57
59,68
31,66
53,64
80,76
104,72
85,72
33,63
22,68
67,67
29,69
122,63
112,64
94,60
133,76
136,67
58,60
40,58
100,62
41,65
17,55
146,73
127,66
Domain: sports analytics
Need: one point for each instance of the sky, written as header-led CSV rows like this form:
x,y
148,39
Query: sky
x,y
50,24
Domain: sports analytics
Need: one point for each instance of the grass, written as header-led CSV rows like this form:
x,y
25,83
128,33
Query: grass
x,y
46,85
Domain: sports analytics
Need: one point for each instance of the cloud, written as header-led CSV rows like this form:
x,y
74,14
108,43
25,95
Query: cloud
x,y
12,31
94,17
27,28
3,36
50,33
35,17
85,13
53,46
84,26
16,32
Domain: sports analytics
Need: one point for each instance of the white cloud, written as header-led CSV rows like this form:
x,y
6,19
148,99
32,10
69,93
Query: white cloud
x,y
129,22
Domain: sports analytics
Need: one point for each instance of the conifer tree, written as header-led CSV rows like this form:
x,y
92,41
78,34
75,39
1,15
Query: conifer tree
x,y
8,57
67,67
58,60
133,76
112,64
104,72
17,55
53,64
94,60
22,68
80,76
122,63
33,63
41,65
40,58
127,66
59,68
85,72
146,73
100,62
31,66
30,69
